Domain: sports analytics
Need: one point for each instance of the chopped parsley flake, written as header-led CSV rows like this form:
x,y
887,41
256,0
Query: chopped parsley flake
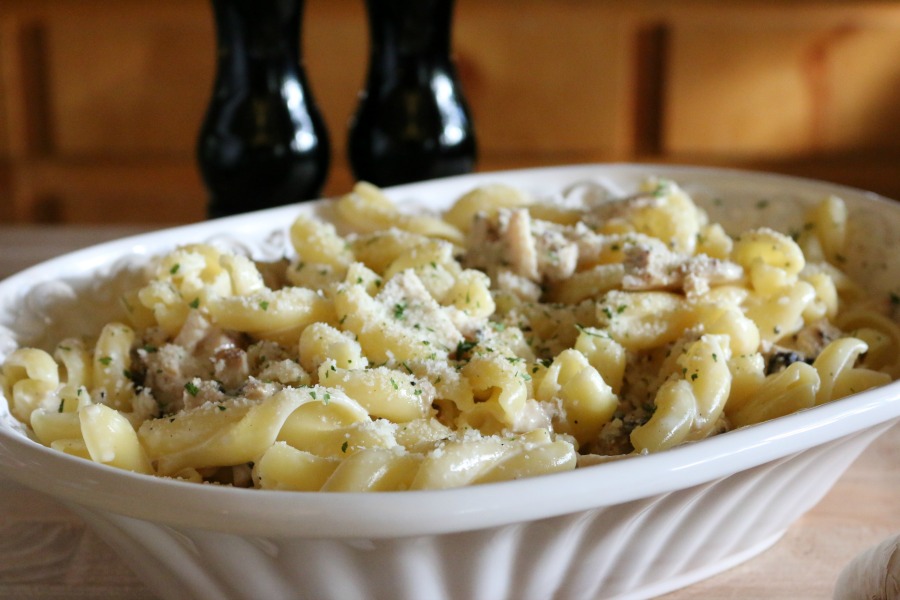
x,y
463,347
399,309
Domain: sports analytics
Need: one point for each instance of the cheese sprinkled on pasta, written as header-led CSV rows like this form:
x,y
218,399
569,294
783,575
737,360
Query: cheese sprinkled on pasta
x,y
509,337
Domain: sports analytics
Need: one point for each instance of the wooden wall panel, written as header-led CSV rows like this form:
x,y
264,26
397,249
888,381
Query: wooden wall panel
x,y
154,191
542,77
735,92
863,86
127,87
7,210
5,92
782,86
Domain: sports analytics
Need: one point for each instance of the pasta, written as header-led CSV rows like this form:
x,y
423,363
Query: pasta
x,y
508,337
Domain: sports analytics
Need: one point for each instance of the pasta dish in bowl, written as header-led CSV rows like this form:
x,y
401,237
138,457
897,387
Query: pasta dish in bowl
x,y
613,342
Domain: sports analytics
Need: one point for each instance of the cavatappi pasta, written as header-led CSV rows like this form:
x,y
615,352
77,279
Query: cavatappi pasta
x,y
503,339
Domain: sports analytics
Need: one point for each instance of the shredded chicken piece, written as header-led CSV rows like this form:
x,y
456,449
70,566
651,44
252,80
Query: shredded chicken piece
x,y
557,254
701,271
198,392
519,247
531,248
522,288
200,350
650,265
231,367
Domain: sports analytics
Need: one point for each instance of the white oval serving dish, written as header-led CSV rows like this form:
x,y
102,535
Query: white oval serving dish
x,y
625,529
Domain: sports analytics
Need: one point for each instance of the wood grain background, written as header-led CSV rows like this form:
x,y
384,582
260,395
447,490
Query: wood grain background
x,y
101,100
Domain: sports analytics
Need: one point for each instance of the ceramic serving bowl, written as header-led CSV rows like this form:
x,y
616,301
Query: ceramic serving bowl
x,y
632,528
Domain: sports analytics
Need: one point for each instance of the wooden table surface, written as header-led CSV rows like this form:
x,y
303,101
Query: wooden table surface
x,y
46,552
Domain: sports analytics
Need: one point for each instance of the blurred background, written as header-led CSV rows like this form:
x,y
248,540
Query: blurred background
x,y
101,100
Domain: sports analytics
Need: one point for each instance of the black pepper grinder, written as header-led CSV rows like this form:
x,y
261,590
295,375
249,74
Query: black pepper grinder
x,y
412,122
263,142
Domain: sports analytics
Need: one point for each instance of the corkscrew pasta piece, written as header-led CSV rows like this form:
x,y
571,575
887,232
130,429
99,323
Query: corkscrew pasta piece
x,y
227,433
780,314
30,375
334,429
76,370
384,393
366,208
53,426
881,334
671,216
829,222
112,364
689,404
487,199
499,390
779,394
603,353
772,259
495,458
456,463
111,440
586,399
502,339
277,315
318,243
824,304
837,374
642,320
